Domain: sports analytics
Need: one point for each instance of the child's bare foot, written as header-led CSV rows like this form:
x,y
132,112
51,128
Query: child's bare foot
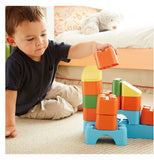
x,y
80,108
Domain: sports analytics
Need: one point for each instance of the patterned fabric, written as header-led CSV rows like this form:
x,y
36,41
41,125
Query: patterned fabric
x,y
68,18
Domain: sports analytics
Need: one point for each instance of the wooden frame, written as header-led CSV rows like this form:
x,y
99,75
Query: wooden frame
x,y
130,58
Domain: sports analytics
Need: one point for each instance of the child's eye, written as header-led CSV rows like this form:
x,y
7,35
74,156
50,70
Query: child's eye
x,y
30,39
44,34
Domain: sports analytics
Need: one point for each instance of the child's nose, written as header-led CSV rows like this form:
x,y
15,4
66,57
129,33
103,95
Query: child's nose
x,y
39,41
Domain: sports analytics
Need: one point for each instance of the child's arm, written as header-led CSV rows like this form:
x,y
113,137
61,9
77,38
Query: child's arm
x,y
10,105
86,49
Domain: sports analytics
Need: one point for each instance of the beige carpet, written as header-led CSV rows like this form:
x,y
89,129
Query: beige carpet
x,y
66,137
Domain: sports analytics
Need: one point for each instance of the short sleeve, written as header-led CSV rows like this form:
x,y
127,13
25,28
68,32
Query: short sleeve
x,y
12,75
62,51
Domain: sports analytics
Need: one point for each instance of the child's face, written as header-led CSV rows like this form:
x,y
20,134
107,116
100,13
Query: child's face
x,y
31,38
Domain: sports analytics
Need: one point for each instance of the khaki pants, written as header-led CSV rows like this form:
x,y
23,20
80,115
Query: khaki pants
x,y
61,101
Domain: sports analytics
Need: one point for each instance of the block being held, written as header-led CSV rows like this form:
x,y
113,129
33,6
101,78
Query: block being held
x,y
106,59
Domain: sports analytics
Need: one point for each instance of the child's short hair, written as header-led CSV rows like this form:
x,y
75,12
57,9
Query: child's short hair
x,y
15,15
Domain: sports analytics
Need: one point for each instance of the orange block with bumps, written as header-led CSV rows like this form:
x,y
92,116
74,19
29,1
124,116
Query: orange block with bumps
x,y
107,104
106,59
147,115
92,88
106,122
131,103
119,102
89,114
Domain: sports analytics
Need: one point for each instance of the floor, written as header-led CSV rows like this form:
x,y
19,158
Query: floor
x,y
66,137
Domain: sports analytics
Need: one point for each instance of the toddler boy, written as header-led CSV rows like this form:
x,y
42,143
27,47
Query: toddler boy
x,y
31,91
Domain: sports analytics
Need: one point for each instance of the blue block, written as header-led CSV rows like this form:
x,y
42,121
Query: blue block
x,y
132,116
92,134
85,124
94,122
140,131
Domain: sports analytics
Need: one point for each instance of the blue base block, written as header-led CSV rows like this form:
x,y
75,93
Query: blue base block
x,y
92,134
132,116
140,131
85,123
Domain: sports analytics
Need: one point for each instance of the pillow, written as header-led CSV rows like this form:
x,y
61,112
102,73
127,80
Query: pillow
x,y
68,18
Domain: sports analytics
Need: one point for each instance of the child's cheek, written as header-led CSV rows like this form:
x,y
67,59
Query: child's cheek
x,y
29,48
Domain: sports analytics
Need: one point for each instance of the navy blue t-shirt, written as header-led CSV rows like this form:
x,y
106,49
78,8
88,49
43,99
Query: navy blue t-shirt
x,y
33,79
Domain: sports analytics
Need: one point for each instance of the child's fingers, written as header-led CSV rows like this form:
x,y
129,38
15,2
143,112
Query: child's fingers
x,y
108,45
14,133
116,51
7,133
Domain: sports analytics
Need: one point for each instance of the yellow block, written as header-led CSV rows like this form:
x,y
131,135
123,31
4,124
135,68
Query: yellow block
x,y
129,90
91,74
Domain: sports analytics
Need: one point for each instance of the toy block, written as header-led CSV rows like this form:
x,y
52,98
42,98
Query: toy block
x,y
91,74
89,101
132,116
131,103
85,123
130,91
89,114
116,86
106,59
108,92
106,122
119,102
107,104
92,88
140,131
147,115
92,135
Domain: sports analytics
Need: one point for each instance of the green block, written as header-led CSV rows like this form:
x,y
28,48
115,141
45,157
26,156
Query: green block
x,y
116,86
89,101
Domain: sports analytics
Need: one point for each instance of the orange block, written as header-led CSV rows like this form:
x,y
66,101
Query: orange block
x,y
89,114
106,59
119,102
131,103
106,122
107,104
147,115
92,88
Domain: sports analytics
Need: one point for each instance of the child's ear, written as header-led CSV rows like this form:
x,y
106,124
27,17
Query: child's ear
x,y
11,41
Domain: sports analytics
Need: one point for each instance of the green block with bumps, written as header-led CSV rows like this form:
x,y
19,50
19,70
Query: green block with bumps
x,y
89,101
116,86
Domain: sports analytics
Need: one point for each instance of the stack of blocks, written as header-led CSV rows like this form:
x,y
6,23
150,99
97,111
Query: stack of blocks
x,y
100,109
106,112
92,97
125,99
139,121
91,87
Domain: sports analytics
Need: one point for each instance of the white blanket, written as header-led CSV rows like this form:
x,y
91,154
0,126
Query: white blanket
x,y
121,38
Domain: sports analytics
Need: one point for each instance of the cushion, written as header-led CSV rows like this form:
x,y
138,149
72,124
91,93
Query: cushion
x,y
68,18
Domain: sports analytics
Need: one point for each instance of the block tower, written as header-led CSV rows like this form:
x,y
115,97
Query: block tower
x,y
91,88
139,121
106,112
100,109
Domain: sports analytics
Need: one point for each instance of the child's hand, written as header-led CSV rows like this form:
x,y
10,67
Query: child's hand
x,y
102,47
10,131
